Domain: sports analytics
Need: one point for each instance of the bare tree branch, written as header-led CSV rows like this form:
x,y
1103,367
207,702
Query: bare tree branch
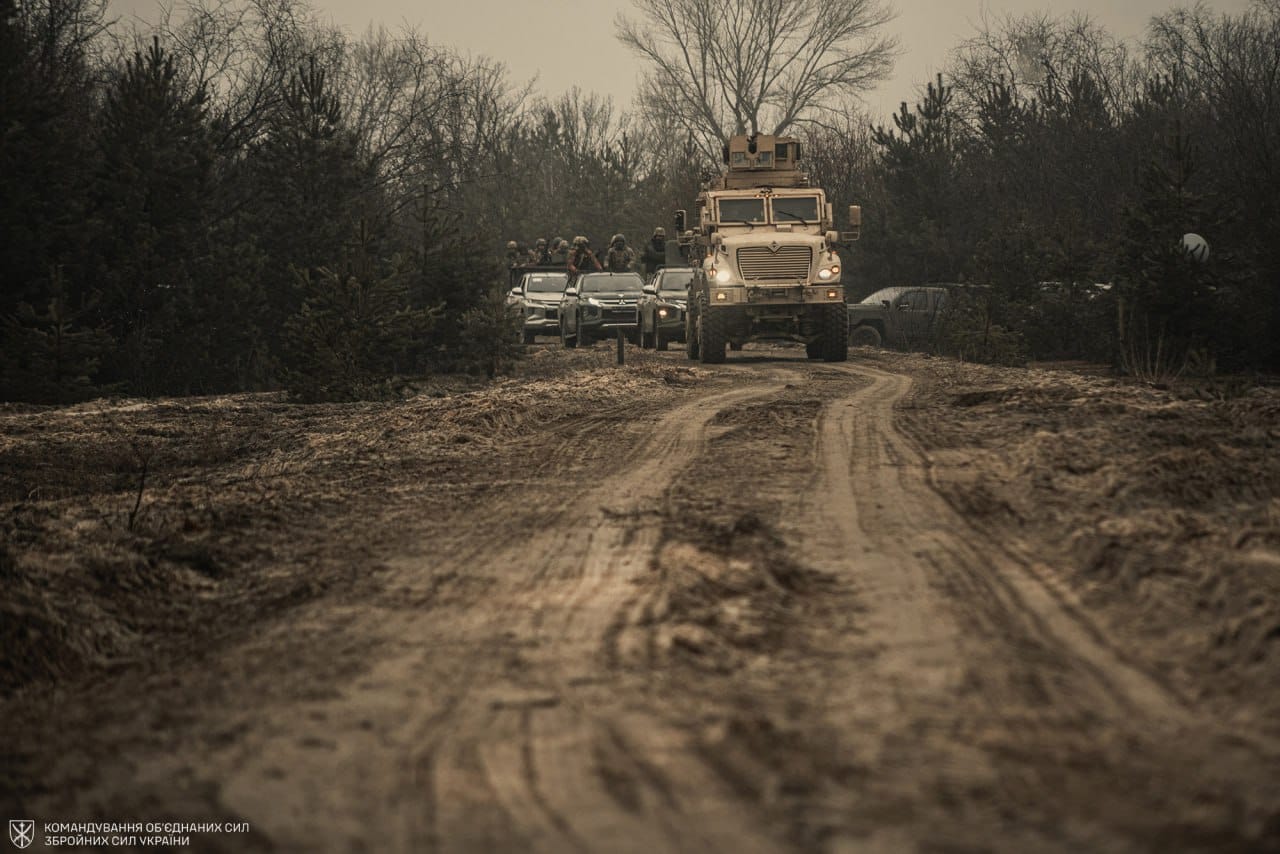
x,y
748,66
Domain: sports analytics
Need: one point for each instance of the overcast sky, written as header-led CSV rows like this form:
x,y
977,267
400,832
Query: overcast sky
x,y
571,43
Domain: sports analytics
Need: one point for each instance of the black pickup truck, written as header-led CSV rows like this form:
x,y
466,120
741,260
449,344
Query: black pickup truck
x,y
902,317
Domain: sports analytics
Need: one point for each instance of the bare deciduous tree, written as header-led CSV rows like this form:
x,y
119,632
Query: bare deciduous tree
x,y
739,66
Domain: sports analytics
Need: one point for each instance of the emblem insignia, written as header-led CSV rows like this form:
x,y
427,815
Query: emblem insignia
x,y
22,832
774,247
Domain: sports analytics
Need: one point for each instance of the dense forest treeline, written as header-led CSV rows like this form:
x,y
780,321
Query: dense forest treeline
x,y
246,198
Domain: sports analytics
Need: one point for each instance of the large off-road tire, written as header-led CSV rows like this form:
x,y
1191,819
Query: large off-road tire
x,y
659,340
529,337
569,341
813,349
691,334
712,335
864,335
834,322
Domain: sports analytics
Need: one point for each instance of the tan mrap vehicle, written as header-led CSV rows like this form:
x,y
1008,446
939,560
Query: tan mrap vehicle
x,y
764,256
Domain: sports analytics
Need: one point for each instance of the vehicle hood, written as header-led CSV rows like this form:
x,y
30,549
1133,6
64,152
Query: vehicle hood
x,y
537,298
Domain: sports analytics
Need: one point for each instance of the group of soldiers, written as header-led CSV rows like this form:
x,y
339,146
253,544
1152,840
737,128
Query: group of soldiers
x,y
579,257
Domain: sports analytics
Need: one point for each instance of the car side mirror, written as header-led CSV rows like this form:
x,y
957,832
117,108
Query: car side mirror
x,y
571,292
649,289
680,218
886,303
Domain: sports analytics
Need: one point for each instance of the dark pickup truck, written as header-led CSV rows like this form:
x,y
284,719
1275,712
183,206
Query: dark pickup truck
x,y
903,317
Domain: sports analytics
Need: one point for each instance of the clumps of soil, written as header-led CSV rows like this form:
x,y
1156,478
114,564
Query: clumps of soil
x,y
1161,507
726,592
133,530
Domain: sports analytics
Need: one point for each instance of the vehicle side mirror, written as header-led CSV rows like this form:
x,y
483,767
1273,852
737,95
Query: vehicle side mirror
x,y
571,291
855,223
680,219
886,303
649,289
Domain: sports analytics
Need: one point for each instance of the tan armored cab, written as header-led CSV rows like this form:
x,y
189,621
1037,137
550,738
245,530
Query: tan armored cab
x,y
764,255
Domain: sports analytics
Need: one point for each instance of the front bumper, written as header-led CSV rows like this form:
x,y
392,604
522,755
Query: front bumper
x,y
543,320
797,294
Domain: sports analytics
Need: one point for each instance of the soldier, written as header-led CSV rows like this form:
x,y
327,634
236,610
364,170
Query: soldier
x,y
514,260
620,258
655,251
540,255
559,250
582,259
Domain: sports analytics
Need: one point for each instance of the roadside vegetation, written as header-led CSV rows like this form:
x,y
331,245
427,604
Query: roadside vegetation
x,y
242,197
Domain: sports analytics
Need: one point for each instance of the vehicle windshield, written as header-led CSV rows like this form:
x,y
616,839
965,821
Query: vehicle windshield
x,y
742,210
625,283
881,295
675,282
550,284
796,208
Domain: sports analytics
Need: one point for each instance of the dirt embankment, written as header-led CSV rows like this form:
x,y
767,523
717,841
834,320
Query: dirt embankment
x,y
134,531
1159,507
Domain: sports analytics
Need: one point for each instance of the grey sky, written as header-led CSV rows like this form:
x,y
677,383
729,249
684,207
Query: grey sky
x,y
570,42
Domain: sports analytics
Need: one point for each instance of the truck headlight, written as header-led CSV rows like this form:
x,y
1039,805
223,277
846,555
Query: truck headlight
x,y
723,276
662,312
825,274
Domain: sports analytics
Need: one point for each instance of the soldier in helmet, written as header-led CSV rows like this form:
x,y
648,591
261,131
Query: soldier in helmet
x,y
655,251
540,254
582,259
559,250
515,259
620,258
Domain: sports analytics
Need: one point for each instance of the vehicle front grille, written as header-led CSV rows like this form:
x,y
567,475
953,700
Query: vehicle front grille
x,y
553,313
619,314
789,263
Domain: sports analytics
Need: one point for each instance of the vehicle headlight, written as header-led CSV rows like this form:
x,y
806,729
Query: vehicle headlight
x,y
723,276
825,274
662,312
594,302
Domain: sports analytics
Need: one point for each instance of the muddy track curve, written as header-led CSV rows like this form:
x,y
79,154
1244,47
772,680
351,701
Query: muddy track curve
x,y
742,620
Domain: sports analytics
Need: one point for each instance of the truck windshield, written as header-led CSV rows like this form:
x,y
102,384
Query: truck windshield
x,y
742,210
546,284
675,282
795,208
626,283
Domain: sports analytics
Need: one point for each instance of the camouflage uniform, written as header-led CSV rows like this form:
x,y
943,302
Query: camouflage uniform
x,y
655,251
620,258
582,259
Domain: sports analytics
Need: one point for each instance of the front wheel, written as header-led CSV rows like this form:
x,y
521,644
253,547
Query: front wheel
x,y
835,332
691,335
712,335
864,336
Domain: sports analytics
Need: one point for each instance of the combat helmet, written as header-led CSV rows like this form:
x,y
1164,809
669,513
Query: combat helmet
x,y
617,238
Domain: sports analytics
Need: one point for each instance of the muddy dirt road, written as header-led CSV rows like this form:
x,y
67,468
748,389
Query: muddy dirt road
x,y
734,615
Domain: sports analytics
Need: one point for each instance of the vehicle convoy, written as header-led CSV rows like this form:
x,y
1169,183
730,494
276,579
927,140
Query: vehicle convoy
x,y
539,296
764,256
596,304
663,308
896,317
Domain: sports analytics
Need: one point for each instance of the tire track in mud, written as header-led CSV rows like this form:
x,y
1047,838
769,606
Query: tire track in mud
x,y
981,658
566,766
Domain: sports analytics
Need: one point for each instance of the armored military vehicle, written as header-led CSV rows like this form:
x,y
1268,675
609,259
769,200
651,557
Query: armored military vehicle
x,y
764,256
